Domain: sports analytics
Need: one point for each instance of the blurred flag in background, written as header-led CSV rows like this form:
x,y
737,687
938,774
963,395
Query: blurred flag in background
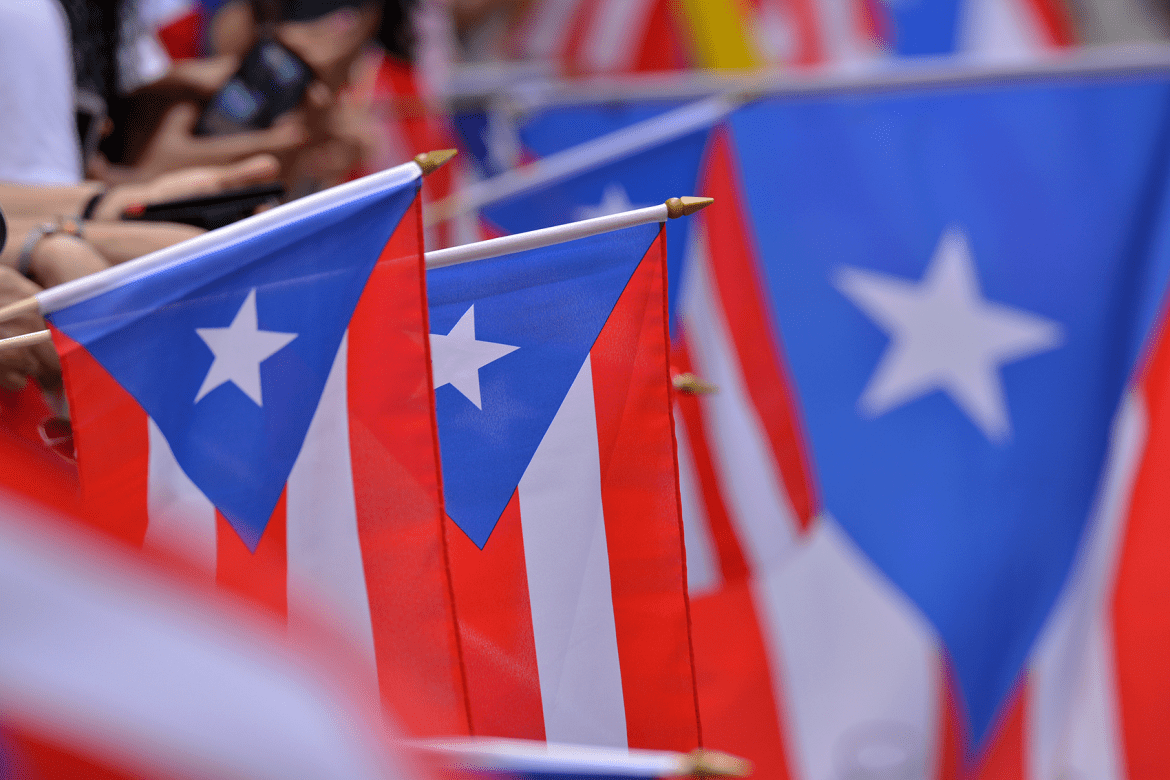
x,y
925,311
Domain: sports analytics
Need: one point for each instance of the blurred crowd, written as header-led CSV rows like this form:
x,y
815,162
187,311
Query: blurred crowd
x,y
106,113
105,105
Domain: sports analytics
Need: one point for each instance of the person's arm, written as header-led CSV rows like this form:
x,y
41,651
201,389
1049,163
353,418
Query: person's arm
x,y
61,257
53,258
32,201
118,242
54,201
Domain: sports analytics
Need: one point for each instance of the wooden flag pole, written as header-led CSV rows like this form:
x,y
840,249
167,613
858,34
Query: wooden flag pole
x,y
440,258
26,339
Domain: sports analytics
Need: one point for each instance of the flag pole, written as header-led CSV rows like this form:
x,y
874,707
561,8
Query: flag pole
x,y
527,757
429,162
673,208
534,239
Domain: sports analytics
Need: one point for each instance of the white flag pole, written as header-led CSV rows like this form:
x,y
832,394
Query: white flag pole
x,y
439,258
534,239
520,756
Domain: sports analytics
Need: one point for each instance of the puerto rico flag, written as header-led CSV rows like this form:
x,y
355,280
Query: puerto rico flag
x,y
259,407
554,417
928,320
857,630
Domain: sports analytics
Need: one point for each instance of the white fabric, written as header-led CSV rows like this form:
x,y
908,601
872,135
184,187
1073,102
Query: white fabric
x,y
38,133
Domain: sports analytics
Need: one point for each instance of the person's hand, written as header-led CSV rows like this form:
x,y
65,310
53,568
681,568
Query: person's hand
x,y
188,183
38,361
174,145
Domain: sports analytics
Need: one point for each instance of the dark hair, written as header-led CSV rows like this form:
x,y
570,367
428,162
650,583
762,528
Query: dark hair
x,y
394,33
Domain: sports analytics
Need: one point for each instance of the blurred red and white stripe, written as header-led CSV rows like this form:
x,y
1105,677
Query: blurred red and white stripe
x,y
136,668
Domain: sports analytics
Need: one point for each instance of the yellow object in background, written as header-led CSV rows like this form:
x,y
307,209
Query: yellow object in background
x,y
718,32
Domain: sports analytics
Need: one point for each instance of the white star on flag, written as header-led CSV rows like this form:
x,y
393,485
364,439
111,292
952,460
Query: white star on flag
x,y
944,335
239,350
614,200
457,357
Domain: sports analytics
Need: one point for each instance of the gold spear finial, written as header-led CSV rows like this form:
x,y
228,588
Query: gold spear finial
x,y
692,385
686,205
712,763
432,161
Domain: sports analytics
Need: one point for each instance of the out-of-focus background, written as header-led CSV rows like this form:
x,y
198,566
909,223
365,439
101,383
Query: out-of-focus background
x,y
919,404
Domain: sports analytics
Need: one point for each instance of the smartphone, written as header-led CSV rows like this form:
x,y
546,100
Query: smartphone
x,y
210,211
271,80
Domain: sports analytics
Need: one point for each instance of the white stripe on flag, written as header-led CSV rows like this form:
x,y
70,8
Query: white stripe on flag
x,y
860,667
1073,717
567,559
326,577
546,34
839,26
757,502
615,33
999,31
180,519
703,574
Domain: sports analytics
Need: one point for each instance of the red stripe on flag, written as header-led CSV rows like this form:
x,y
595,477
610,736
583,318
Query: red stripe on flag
x,y
111,440
495,624
661,48
732,564
182,36
28,757
643,519
952,738
736,688
262,576
753,333
1005,757
1141,627
1054,19
398,493
810,49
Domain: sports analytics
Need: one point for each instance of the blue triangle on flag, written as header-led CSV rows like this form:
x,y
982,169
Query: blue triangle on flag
x,y
534,317
644,179
238,441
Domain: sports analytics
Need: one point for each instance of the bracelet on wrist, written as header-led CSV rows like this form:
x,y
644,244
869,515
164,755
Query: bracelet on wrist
x,y
65,225
92,204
